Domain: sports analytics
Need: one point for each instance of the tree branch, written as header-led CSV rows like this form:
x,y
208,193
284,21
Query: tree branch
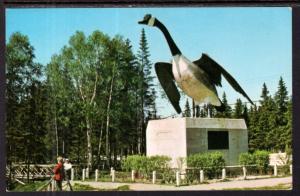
x,y
95,89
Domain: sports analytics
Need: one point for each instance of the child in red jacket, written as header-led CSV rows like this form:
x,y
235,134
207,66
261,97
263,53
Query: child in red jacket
x,y
58,173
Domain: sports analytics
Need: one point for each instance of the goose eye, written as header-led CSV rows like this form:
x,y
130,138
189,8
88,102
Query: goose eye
x,y
147,17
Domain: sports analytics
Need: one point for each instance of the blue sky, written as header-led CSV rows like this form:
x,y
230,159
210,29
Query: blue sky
x,y
253,44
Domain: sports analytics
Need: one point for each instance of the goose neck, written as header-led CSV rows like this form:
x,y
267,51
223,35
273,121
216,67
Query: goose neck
x,y
173,47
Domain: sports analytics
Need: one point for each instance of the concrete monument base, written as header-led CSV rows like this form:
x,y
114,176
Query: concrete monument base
x,y
180,137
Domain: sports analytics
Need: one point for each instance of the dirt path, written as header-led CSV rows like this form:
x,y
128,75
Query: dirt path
x,y
212,186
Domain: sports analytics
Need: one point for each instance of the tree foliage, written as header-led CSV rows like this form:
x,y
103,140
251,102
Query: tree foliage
x,y
93,100
26,103
187,109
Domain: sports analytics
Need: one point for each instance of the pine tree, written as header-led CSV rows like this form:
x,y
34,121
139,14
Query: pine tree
x,y
254,139
259,122
153,110
238,110
202,112
286,134
281,100
145,90
25,99
187,109
227,112
245,114
197,111
282,116
264,94
266,124
211,111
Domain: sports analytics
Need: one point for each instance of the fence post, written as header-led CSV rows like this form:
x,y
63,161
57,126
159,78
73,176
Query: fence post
x,y
113,175
275,170
201,176
223,174
49,187
83,174
132,175
96,175
72,174
291,169
244,173
153,177
53,184
177,178
87,173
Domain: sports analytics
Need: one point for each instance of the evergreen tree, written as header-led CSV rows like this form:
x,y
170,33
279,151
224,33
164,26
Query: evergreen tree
x,y
202,112
264,95
254,133
245,114
25,101
153,110
146,99
187,109
197,111
238,110
266,123
286,133
271,126
281,100
211,111
282,116
227,112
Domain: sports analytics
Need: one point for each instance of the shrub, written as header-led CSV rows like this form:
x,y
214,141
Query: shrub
x,y
158,163
261,159
246,159
131,162
135,162
145,165
212,163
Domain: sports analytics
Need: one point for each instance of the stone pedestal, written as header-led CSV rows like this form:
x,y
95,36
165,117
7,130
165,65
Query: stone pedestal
x,y
180,137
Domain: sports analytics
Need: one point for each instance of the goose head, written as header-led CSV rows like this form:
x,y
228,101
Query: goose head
x,y
148,20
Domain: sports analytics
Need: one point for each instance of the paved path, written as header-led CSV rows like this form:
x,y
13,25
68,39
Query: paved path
x,y
211,186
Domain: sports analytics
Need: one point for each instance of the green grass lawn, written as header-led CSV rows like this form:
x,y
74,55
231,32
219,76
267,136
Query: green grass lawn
x,y
33,186
84,187
28,187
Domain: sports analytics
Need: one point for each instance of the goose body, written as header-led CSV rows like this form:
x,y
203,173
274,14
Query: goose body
x,y
193,81
197,79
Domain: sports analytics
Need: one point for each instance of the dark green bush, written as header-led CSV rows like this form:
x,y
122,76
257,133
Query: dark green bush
x,y
145,165
192,175
261,160
246,159
158,162
212,163
168,176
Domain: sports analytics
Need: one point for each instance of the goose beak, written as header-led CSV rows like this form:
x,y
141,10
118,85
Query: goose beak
x,y
142,22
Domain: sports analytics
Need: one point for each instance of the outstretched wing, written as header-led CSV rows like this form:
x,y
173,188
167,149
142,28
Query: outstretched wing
x,y
214,70
166,79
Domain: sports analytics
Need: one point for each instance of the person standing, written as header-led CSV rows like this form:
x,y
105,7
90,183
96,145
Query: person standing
x,y
58,173
67,172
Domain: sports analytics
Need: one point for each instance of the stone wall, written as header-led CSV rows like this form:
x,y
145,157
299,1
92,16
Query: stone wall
x,y
180,137
166,137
